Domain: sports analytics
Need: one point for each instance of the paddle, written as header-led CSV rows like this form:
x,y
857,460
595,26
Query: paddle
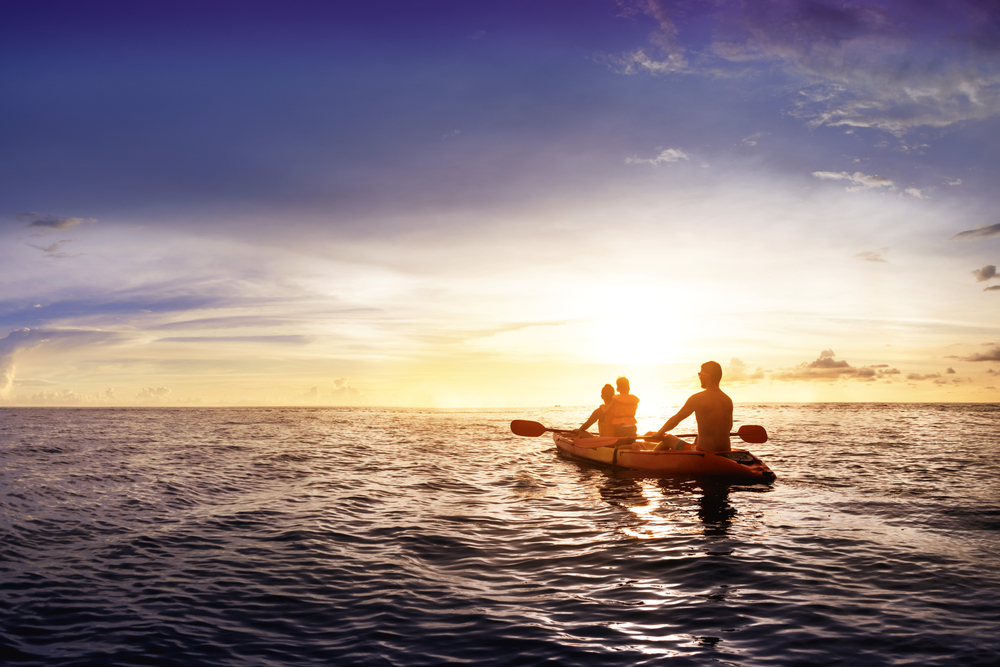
x,y
533,429
747,433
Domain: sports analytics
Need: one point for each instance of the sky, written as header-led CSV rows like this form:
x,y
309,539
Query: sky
x,y
455,204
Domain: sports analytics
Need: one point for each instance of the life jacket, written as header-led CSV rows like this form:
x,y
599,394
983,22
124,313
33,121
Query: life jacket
x,y
621,411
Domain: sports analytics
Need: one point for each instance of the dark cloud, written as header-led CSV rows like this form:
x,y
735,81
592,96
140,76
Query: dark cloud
x,y
990,355
986,273
918,376
826,368
950,371
992,288
978,233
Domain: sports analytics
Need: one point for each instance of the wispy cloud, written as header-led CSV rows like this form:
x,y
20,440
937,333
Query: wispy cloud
x,y
873,255
291,339
887,66
664,55
978,233
668,155
25,339
51,221
861,65
53,249
860,180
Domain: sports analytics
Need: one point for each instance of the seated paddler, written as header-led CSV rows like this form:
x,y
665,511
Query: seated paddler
x,y
620,413
603,428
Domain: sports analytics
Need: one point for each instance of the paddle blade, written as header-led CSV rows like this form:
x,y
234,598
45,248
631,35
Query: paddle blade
x,y
526,428
751,433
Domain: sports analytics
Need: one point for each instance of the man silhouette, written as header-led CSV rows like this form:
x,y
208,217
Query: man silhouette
x,y
712,409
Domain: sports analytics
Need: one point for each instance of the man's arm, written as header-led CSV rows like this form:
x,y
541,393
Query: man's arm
x,y
594,416
681,415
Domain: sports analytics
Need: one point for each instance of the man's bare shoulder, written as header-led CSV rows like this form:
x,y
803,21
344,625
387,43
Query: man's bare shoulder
x,y
710,397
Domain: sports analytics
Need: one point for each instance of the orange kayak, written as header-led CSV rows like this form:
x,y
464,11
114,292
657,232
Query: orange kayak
x,y
738,464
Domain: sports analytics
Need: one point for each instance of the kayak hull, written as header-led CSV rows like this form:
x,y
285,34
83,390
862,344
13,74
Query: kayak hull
x,y
737,464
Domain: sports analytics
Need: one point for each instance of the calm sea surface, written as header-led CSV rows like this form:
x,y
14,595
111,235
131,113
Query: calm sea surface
x,y
407,537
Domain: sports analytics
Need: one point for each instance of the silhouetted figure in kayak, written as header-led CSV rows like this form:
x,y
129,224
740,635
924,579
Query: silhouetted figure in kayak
x,y
607,394
712,409
620,413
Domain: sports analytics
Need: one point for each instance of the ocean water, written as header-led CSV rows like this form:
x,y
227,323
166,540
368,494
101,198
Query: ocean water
x,y
408,537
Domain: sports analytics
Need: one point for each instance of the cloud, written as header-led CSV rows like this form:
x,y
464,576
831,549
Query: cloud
x,y
891,67
153,394
34,383
886,66
737,371
950,371
15,342
918,377
957,181
978,233
342,394
991,288
872,255
51,221
668,53
753,138
988,272
64,397
347,395
826,368
20,340
639,61
289,339
53,249
914,192
668,155
861,181
990,355
230,322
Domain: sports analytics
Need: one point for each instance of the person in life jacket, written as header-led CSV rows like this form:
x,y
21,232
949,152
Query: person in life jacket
x,y
607,394
620,413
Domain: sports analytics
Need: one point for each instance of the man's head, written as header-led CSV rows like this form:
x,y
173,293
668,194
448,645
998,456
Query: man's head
x,y
607,393
711,374
622,384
